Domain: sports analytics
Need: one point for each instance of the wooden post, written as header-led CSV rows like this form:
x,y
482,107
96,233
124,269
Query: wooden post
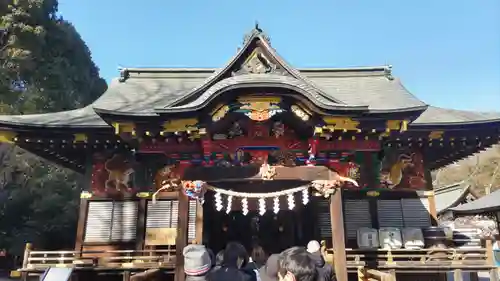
x,y
338,239
126,276
26,256
457,275
199,223
432,208
182,233
431,198
490,260
80,227
141,225
361,274
84,203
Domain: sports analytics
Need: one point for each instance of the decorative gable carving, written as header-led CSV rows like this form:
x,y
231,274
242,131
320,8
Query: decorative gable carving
x,y
257,63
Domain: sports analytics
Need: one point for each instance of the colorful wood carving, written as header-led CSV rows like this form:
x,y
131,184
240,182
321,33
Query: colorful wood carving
x,y
181,125
119,170
220,112
167,179
267,172
403,169
112,174
260,108
327,187
341,123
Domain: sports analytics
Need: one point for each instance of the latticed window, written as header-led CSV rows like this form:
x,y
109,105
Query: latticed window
x,y
109,221
407,212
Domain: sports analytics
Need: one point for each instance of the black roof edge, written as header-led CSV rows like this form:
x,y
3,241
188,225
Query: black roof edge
x,y
15,126
342,107
117,114
106,112
448,125
181,69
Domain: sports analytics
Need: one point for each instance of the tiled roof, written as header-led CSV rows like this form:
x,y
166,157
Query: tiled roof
x,y
449,196
83,117
487,203
441,116
143,91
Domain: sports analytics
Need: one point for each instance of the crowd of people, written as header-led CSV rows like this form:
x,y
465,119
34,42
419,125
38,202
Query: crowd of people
x,y
235,264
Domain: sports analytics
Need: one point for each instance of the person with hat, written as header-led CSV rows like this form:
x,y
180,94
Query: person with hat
x,y
197,262
325,270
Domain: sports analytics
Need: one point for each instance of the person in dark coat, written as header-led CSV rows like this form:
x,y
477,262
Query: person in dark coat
x,y
325,270
233,267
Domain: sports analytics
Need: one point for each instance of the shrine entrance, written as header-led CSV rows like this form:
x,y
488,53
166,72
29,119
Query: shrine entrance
x,y
274,231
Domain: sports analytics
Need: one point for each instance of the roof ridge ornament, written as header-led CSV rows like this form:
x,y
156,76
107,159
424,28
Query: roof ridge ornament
x,y
256,31
124,74
388,72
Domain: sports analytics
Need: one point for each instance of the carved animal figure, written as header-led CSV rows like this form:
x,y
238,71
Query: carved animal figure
x,y
267,172
119,171
327,187
396,171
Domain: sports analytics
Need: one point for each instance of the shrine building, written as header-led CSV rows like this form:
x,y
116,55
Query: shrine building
x,y
256,151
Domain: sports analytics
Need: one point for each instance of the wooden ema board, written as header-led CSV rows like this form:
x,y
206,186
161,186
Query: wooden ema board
x,y
160,236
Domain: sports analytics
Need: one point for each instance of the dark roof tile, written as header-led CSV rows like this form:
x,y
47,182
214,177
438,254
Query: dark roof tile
x,y
487,203
441,116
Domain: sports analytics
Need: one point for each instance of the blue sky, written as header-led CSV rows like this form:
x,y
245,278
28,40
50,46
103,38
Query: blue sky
x,y
446,52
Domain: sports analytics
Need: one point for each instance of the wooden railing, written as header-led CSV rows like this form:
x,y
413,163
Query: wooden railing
x,y
116,259
417,260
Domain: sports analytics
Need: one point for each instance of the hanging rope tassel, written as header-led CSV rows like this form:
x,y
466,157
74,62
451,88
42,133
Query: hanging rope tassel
x,y
158,191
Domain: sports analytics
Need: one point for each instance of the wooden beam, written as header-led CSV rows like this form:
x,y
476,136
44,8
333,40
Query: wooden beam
x,y
338,239
182,233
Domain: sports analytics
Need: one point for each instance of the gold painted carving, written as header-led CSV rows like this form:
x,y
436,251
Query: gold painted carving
x,y
124,128
181,125
7,136
396,125
267,172
341,123
220,112
80,138
299,112
435,135
85,195
161,236
260,108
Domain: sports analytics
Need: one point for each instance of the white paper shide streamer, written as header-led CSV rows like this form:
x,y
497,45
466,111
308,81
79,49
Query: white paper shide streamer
x,y
305,196
262,206
244,206
218,202
291,201
261,198
276,205
229,204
